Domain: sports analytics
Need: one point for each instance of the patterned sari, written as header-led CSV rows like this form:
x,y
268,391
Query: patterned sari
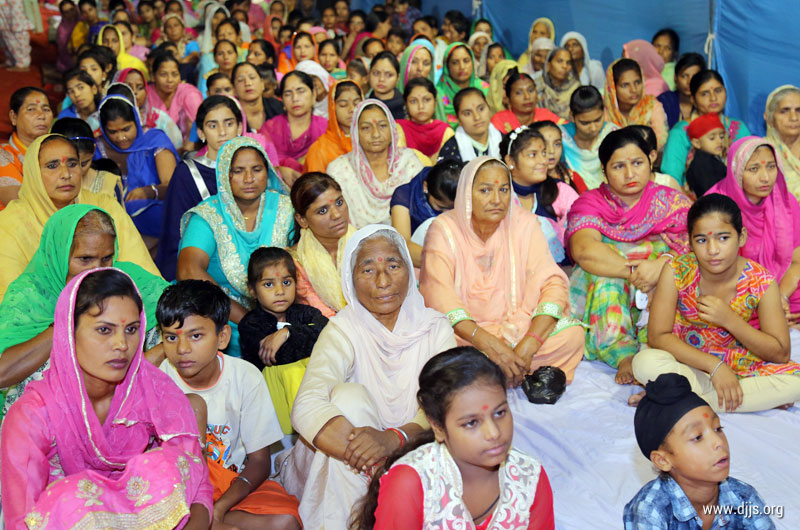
x,y
141,468
653,226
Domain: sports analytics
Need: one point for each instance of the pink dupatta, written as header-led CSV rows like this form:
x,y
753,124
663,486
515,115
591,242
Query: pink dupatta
x,y
183,109
661,211
143,461
772,233
651,64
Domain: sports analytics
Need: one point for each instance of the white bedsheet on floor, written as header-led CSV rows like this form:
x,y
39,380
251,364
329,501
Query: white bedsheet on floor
x,y
587,446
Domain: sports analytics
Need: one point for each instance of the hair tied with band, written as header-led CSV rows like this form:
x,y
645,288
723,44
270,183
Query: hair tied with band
x,y
513,137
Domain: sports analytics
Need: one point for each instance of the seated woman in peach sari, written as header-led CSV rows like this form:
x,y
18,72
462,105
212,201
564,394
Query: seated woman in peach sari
x,y
486,266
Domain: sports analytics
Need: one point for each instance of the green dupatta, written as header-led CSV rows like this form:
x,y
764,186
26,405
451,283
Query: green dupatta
x,y
30,302
447,88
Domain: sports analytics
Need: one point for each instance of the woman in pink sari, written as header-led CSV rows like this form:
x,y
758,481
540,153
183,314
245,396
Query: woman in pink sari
x,y
651,64
770,213
167,92
92,444
485,265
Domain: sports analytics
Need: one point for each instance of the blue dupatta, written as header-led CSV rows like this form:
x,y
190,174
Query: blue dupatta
x,y
274,221
141,169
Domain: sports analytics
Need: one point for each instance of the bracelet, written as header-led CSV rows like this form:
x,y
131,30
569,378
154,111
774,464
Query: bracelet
x,y
155,190
535,336
667,254
400,434
474,331
715,369
401,431
244,479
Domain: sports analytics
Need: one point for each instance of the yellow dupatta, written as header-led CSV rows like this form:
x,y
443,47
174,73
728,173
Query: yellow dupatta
x,y
22,222
323,273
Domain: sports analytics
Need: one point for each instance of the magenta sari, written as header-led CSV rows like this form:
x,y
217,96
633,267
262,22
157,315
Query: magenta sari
x,y
772,233
142,468
292,152
661,211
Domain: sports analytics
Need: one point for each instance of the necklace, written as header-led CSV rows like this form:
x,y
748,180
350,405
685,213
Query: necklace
x,y
487,509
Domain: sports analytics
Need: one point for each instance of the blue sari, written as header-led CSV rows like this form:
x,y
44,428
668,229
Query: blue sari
x,y
141,170
217,227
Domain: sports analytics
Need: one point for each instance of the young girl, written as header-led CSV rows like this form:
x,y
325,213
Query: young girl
x,y
423,133
175,32
465,470
358,73
475,135
85,97
554,147
167,92
99,66
225,58
219,84
261,52
147,161
94,433
330,60
702,314
521,100
303,48
279,334
525,154
626,102
152,118
383,73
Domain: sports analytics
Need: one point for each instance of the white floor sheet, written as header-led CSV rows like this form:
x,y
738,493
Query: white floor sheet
x,y
587,446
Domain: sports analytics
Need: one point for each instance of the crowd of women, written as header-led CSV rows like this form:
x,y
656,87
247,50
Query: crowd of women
x,y
430,191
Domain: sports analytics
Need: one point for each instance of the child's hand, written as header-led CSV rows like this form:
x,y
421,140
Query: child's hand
x,y
715,311
729,391
269,346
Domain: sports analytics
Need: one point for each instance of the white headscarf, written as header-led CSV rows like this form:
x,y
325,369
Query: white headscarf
x,y
387,362
542,43
314,69
207,40
593,72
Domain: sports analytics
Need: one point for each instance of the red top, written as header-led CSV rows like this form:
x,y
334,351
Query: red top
x,y
400,502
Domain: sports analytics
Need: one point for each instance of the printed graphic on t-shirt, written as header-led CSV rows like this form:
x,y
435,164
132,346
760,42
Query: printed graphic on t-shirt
x,y
218,445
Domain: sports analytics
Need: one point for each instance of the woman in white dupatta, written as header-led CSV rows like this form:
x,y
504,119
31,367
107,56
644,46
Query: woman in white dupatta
x,y
375,167
357,404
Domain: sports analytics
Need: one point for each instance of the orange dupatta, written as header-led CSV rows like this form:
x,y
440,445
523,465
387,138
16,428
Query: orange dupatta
x,y
334,142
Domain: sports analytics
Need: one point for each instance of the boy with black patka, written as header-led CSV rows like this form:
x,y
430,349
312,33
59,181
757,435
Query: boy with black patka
x,y
682,436
241,424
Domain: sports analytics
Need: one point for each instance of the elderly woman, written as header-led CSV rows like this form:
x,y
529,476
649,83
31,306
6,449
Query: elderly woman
x,y
53,181
485,265
219,234
76,238
770,213
375,167
782,116
323,217
356,404
620,235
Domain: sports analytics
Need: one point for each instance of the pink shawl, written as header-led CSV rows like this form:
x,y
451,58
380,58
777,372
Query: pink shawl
x,y
499,282
772,226
292,151
661,211
183,109
651,64
137,421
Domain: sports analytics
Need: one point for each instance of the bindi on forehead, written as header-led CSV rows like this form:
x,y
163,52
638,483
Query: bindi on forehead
x,y
705,415
485,407
380,258
179,332
710,233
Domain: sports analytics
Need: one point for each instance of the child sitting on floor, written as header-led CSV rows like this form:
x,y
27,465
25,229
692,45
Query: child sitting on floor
x,y
716,318
683,438
708,139
241,425
466,469
278,335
